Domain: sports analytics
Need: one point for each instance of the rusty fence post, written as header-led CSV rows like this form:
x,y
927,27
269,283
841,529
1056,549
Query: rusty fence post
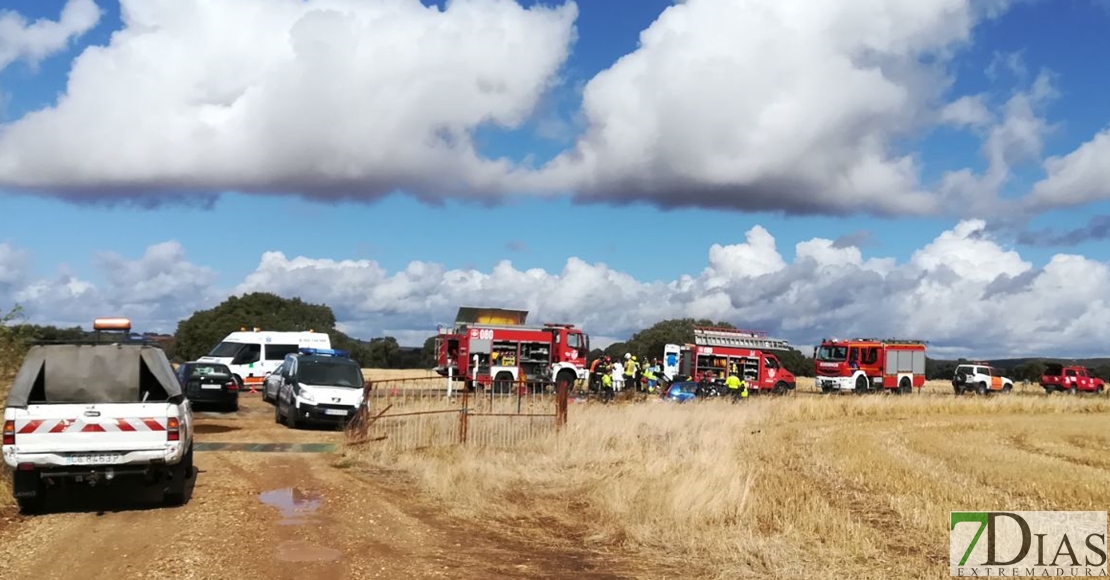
x,y
464,420
561,391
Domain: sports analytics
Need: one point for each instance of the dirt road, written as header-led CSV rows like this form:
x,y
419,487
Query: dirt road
x,y
281,514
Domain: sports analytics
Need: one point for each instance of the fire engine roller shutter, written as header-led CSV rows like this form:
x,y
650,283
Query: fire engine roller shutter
x,y
918,362
481,346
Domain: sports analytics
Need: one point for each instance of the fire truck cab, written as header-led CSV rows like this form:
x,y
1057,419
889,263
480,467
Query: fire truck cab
x,y
492,348
864,365
719,351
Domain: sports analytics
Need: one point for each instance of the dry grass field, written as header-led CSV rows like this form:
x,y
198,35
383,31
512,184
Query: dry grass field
x,y
804,486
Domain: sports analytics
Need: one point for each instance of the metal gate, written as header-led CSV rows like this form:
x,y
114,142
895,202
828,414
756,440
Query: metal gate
x,y
415,413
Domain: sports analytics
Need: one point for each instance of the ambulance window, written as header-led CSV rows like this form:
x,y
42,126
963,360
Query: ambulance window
x,y
251,353
278,351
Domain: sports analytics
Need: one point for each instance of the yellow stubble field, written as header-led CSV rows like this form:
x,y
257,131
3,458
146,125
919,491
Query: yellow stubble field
x,y
802,486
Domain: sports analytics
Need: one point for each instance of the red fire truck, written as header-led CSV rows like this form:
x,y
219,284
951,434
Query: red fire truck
x,y
719,351
869,364
492,348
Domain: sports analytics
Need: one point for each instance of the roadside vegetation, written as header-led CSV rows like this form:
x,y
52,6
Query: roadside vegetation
x,y
804,486
13,343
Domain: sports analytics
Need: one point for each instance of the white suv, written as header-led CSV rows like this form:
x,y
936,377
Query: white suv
x,y
981,378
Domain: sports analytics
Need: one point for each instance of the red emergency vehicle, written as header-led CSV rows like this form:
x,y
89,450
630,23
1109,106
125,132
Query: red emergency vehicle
x,y
493,348
720,351
870,364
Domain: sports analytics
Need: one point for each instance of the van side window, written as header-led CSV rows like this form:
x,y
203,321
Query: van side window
x,y
251,353
278,351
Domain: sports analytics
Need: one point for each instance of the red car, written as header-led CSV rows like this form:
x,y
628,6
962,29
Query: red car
x,y
1058,377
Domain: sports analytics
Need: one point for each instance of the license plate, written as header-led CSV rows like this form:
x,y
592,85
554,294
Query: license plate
x,y
94,459
217,386
335,411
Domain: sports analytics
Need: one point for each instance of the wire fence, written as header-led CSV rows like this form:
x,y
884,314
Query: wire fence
x,y
416,413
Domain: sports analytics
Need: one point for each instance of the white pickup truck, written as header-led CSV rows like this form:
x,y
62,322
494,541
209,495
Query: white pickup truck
x,y
86,413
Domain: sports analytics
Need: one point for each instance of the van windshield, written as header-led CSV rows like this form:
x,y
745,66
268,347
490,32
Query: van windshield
x,y
226,349
832,353
326,373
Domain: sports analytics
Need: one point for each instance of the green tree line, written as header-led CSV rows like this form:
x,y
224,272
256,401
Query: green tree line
x,y
204,329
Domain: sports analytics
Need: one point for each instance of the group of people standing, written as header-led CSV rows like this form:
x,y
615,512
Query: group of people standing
x,y
607,375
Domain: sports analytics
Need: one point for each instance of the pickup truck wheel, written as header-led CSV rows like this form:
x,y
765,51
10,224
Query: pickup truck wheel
x,y
179,480
24,482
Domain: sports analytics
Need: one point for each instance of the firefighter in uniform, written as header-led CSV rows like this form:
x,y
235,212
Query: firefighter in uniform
x,y
737,387
595,376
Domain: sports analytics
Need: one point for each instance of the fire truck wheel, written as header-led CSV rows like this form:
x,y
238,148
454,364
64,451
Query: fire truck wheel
x,y
779,388
503,384
861,385
905,387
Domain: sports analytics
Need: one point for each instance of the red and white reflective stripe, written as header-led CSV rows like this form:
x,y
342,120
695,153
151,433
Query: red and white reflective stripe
x,y
45,426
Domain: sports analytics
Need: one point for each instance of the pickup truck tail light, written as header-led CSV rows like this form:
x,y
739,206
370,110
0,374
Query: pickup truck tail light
x,y
9,432
173,429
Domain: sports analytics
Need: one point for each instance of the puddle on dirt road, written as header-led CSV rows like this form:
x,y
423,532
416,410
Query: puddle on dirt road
x,y
297,506
298,551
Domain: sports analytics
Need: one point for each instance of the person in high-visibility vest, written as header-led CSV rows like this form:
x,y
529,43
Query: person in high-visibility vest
x,y
649,376
737,387
630,371
606,388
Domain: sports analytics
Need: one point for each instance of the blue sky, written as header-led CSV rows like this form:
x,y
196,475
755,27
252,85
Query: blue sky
x,y
649,243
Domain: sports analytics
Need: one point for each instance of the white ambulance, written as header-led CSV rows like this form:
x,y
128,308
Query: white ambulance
x,y
253,354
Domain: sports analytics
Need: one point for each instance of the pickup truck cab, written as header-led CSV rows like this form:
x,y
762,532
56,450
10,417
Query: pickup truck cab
x,y
1069,379
90,412
317,386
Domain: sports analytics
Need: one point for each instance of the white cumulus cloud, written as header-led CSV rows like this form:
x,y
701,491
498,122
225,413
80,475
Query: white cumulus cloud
x,y
35,41
325,97
758,105
776,104
963,291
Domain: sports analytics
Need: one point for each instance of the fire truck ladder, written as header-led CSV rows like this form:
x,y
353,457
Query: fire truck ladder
x,y
726,337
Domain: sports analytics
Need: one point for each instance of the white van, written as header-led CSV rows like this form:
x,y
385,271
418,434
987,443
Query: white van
x,y
253,354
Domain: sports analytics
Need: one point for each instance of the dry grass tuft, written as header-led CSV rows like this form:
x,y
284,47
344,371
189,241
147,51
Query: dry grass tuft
x,y
796,487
